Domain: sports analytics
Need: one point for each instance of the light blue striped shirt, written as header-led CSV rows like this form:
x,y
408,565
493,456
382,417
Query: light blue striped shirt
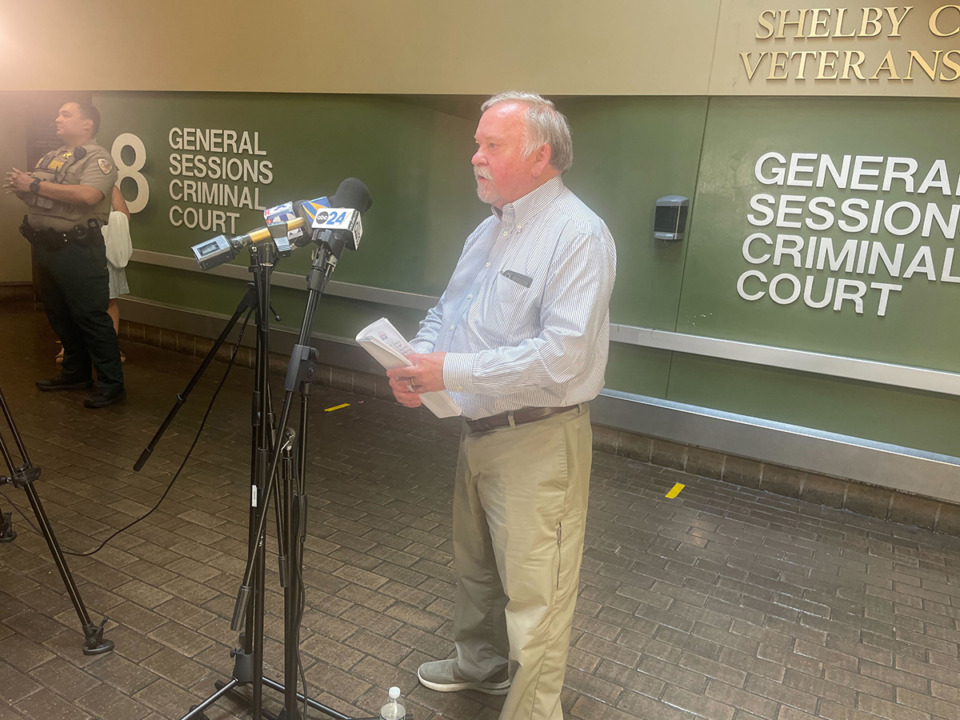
x,y
525,318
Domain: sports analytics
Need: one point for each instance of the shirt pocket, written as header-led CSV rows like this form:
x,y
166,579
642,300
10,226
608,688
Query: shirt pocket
x,y
509,312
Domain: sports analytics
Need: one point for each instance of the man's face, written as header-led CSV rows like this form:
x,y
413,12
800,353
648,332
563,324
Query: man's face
x,y
503,173
71,124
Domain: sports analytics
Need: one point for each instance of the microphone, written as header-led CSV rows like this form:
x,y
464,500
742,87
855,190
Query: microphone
x,y
221,249
285,224
352,193
307,210
340,227
281,222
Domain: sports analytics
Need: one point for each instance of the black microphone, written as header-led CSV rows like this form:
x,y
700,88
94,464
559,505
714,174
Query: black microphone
x,y
340,226
352,193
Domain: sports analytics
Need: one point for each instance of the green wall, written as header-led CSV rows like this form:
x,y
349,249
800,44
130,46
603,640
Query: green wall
x,y
414,154
740,131
405,151
917,328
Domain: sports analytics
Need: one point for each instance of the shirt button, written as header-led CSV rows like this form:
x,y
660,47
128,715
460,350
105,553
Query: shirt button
x,y
459,387
469,297
505,233
451,327
488,264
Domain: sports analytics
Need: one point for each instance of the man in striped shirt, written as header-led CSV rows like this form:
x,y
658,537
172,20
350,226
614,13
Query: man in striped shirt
x,y
520,339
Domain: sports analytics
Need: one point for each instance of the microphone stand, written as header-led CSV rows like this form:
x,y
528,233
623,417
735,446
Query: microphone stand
x,y
277,452
300,372
23,476
248,659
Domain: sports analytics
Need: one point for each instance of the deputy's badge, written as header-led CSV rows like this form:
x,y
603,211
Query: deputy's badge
x,y
105,165
66,154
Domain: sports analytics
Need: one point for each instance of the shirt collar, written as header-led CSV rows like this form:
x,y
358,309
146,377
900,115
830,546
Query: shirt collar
x,y
530,205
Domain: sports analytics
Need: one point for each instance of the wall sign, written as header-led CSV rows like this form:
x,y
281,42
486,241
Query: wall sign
x,y
855,45
823,252
215,173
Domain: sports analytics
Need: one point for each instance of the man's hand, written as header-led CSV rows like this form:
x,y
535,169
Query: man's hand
x,y
425,375
18,181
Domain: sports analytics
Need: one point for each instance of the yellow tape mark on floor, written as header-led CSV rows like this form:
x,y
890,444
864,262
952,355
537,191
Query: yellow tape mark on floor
x,y
337,407
675,490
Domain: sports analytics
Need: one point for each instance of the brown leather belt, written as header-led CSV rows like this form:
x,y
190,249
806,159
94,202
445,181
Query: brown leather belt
x,y
520,417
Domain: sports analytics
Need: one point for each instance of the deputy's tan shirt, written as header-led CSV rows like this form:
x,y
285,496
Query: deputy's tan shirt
x,y
83,165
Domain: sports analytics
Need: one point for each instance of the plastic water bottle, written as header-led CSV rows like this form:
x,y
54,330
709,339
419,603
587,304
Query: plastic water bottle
x,y
393,710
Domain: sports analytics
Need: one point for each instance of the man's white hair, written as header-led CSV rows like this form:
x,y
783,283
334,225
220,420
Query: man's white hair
x,y
544,124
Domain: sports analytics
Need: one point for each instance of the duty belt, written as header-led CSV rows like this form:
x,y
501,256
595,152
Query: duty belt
x,y
52,238
516,417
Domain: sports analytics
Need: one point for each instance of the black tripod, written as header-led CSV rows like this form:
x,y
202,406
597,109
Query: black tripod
x,y
23,476
277,452
291,494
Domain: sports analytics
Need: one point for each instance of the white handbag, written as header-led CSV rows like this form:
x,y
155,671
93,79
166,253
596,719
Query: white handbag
x,y
116,237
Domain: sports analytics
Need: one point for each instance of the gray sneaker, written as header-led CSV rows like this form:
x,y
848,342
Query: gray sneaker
x,y
443,676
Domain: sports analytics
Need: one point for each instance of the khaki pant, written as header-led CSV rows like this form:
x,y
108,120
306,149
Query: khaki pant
x,y
519,511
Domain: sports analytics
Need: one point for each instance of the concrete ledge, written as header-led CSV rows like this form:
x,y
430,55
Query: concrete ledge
x,y
902,469
16,291
855,496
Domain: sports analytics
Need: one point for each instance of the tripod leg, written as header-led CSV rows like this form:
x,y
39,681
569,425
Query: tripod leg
x,y
23,476
7,533
294,510
248,302
94,644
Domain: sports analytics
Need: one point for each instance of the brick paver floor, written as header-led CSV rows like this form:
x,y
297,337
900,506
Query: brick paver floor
x,y
724,603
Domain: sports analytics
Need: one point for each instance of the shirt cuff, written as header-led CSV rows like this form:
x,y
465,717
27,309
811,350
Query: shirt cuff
x,y
458,372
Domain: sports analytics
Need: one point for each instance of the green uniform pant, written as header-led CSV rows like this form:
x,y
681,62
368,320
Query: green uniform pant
x,y
519,512
74,288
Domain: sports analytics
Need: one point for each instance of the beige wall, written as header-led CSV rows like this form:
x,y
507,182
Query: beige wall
x,y
559,47
15,266
368,46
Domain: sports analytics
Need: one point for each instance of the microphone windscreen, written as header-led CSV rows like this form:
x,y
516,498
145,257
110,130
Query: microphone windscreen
x,y
353,194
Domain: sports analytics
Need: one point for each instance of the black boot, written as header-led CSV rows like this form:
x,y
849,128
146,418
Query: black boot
x,y
102,397
63,383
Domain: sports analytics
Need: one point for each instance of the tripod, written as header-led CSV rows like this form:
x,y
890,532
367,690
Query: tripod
x,y
300,372
277,452
23,476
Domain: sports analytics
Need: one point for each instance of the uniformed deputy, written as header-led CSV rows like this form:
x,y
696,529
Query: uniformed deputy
x,y
68,197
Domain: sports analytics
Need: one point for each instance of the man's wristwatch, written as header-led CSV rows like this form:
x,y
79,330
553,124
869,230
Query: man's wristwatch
x,y
35,186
